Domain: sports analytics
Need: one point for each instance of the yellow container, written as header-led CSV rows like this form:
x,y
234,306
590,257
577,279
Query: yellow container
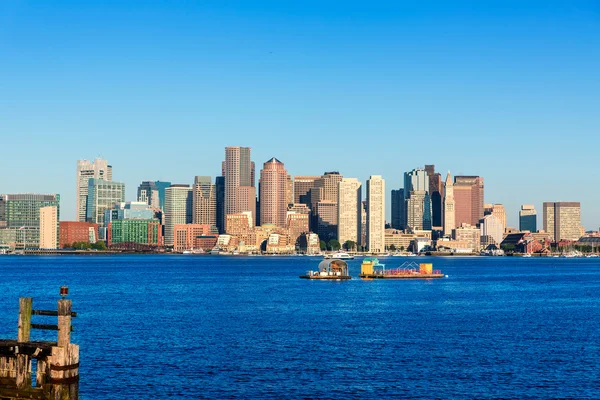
x,y
366,267
426,268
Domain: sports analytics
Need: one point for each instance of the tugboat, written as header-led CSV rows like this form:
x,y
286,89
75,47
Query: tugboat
x,y
329,270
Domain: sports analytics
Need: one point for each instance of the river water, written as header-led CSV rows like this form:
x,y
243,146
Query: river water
x,y
160,327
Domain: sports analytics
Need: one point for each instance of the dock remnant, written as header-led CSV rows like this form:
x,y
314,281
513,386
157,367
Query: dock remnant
x,y
56,364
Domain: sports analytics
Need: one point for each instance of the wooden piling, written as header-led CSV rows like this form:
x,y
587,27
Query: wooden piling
x,y
64,323
25,307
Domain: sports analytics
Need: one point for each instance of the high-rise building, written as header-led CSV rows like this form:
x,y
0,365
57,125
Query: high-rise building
x,y
398,209
49,227
204,202
239,172
491,226
302,186
178,209
376,214
102,196
349,210
153,193
289,191
324,197
20,218
449,206
415,180
528,218
562,220
98,169
498,211
468,197
297,224
274,193
220,209
363,224
246,201
418,210
436,192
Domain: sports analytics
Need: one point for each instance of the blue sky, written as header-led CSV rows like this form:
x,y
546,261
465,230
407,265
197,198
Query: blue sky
x,y
505,90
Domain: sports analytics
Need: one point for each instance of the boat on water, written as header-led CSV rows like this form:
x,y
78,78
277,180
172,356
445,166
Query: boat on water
x,y
372,269
194,251
329,270
526,255
592,256
339,256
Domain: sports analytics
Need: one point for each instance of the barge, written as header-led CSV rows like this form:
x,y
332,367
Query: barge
x,y
372,269
329,270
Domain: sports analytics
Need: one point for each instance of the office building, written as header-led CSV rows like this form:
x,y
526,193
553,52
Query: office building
x,y
469,234
436,193
415,180
468,198
302,186
398,209
220,208
103,195
376,214
449,214
20,218
178,209
324,206
204,202
133,233
153,193
562,220
289,191
492,227
349,210
77,232
98,169
238,172
528,218
418,210
274,193
185,236
297,224
498,211
49,228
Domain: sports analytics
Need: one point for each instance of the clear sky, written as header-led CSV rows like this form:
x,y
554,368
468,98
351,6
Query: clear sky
x,y
507,90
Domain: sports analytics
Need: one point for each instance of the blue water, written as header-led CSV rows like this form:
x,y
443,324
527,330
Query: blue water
x,y
159,327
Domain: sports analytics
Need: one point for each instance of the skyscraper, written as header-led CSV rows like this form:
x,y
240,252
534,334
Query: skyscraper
x,y
178,209
498,211
239,172
204,203
302,186
98,169
468,197
324,206
436,192
418,210
376,214
274,192
398,209
349,210
562,220
102,196
491,226
153,193
220,190
415,180
49,227
528,218
449,215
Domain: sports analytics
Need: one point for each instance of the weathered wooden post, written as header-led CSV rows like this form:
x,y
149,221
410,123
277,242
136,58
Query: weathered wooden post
x,y
23,362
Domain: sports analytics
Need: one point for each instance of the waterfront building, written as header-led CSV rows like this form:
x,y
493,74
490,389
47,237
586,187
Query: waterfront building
x,y
204,202
49,228
98,169
397,240
77,232
184,235
246,202
125,233
20,218
449,214
562,220
491,226
468,233
302,186
153,193
418,210
309,243
436,193
528,218
178,209
220,207
297,224
376,214
398,209
274,193
238,172
498,211
349,210
468,198
102,196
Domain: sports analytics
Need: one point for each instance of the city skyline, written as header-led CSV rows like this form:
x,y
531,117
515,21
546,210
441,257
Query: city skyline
x,y
509,95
